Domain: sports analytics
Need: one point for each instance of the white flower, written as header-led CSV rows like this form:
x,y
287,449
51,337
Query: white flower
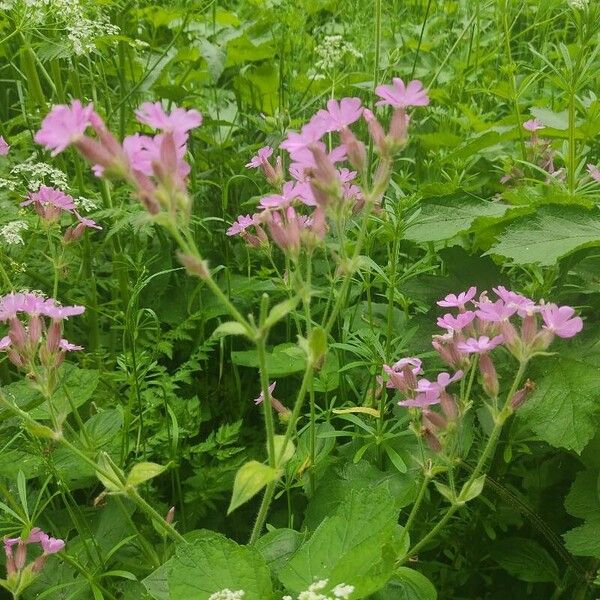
x,y
85,204
332,50
38,173
11,232
227,594
341,591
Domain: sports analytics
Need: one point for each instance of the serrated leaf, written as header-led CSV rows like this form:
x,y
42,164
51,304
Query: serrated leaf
x,y
525,559
407,584
585,539
144,471
549,235
564,408
249,480
445,217
350,546
209,564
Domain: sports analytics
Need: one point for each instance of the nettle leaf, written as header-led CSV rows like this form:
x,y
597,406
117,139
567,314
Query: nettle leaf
x,y
407,584
583,501
249,480
525,559
353,546
209,564
564,409
554,232
445,217
278,545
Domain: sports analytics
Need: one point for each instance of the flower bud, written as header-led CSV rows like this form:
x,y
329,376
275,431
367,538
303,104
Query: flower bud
x,y
448,404
521,395
432,440
17,333
20,555
35,330
54,336
194,265
529,329
375,130
170,515
355,149
433,420
489,375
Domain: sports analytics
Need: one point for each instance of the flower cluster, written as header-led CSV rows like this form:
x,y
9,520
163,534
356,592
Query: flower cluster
x,y
20,573
475,327
30,338
321,186
154,165
37,174
227,594
332,50
11,232
51,203
341,591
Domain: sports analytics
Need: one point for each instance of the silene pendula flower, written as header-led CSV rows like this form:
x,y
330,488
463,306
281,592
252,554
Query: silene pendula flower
x,y
456,323
288,194
559,320
339,115
179,120
480,345
594,172
533,125
399,95
428,392
50,203
4,147
241,226
458,300
276,404
76,231
402,374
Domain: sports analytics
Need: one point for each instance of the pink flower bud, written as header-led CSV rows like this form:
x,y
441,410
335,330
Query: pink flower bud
x,y
170,515
17,333
448,404
432,440
433,420
34,330
529,329
355,149
375,130
54,336
489,375
194,265
20,555
95,153
521,395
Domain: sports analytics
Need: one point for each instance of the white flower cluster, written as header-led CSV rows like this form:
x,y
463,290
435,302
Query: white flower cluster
x,y
341,591
82,23
85,204
578,4
39,173
227,594
331,52
11,232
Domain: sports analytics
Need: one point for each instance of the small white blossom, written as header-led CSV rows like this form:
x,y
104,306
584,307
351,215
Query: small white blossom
x,y
8,184
331,52
38,174
227,594
341,591
85,204
11,232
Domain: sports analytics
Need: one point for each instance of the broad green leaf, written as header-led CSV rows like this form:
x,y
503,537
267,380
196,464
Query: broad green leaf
x,y
278,545
525,559
445,217
282,360
214,56
108,473
407,584
550,118
144,471
102,427
279,311
469,493
585,539
550,234
249,480
445,491
564,409
208,564
289,450
352,546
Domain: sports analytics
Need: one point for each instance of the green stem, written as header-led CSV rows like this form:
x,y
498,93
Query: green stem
x,y
261,517
415,508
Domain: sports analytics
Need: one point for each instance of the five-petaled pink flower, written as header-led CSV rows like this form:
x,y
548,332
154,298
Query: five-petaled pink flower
x,y
242,223
261,397
400,372
533,125
4,147
340,114
456,323
400,95
495,312
594,171
480,345
560,320
261,157
50,202
65,125
283,200
179,120
525,306
428,392
458,301
66,346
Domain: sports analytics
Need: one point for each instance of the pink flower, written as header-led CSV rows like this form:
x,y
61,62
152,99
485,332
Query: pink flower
x,y
283,200
429,391
495,312
51,545
458,301
261,157
480,345
64,125
58,313
4,147
400,373
456,323
242,223
29,303
533,125
400,95
297,143
179,120
525,306
143,152
340,114
594,172
66,346
50,202
560,321
261,397
5,342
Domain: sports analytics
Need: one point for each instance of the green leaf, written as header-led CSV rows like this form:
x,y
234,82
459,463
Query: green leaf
x,y
554,232
445,491
525,559
283,360
290,449
445,217
317,346
585,539
249,480
230,328
279,311
277,547
143,472
564,409
209,564
407,584
101,428
550,118
353,546
108,473
469,493
214,56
